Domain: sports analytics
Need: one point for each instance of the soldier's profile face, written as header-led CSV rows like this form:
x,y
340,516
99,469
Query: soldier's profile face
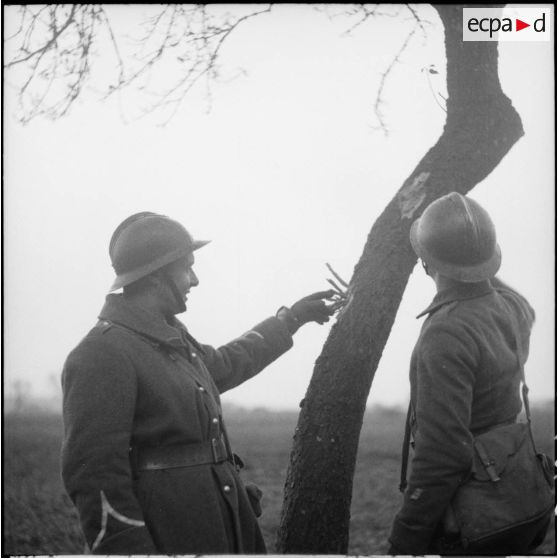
x,y
184,276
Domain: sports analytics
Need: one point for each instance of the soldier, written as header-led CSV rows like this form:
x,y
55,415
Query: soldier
x,y
146,458
465,374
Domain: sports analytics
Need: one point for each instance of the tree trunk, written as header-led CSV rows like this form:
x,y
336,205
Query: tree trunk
x,y
481,127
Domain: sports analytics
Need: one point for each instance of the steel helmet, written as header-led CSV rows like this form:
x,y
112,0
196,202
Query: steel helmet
x,y
456,237
144,243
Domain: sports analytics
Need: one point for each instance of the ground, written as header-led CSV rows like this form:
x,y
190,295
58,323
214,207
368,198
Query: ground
x,y
39,517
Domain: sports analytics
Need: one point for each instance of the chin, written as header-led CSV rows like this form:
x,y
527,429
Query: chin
x,y
176,309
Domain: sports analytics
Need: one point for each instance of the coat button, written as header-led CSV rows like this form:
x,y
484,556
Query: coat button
x,y
227,488
215,421
194,355
201,388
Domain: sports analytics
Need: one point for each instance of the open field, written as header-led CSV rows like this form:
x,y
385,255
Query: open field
x,y
39,518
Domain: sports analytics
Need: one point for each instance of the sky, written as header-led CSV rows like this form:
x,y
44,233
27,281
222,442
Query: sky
x,y
284,170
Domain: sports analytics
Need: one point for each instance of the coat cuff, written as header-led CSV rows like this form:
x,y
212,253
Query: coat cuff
x,y
133,540
411,539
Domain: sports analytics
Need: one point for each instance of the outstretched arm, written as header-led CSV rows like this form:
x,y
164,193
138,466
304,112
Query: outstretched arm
x,y
246,356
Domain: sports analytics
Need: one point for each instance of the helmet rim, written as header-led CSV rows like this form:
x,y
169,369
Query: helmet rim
x,y
465,273
128,277
146,242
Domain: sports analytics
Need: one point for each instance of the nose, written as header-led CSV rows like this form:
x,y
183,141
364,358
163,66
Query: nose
x,y
194,281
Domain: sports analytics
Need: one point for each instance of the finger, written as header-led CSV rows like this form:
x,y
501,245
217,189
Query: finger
x,y
337,304
325,308
322,312
318,306
320,295
335,286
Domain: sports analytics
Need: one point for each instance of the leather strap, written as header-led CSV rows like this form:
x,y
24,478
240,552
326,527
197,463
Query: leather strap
x,y
486,461
405,451
524,387
170,457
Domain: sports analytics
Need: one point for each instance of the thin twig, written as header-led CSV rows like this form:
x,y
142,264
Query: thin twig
x,y
335,286
384,78
337,276
419,21
428,72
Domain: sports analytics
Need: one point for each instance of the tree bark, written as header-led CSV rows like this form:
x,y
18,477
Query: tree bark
x,y
481,127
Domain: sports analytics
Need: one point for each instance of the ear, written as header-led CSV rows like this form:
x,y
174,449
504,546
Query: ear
x,y
154,280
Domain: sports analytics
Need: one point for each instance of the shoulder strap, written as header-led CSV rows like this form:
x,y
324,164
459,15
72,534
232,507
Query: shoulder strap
x,y
405,450
524,388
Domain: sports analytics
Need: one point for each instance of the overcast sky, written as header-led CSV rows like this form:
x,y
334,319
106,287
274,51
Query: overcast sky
x,y
285,172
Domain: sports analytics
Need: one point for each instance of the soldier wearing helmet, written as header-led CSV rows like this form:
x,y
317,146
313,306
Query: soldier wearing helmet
x,y
146,458
465,376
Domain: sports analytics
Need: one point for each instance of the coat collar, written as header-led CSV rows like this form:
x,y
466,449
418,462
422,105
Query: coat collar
x,y
463,291
121,312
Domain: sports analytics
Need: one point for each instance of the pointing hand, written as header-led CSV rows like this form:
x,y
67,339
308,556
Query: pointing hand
x,y
311,308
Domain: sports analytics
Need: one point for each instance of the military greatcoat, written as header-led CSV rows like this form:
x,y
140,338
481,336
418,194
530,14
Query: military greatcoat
x,y
136,381
465,376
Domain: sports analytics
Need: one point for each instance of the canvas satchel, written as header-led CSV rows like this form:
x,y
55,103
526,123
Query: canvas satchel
x,y
511,483
510,486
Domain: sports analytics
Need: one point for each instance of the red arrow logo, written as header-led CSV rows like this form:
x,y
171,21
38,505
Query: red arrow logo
x,y
519,25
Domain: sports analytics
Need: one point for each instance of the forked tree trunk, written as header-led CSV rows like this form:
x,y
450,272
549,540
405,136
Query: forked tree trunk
x,y
480,129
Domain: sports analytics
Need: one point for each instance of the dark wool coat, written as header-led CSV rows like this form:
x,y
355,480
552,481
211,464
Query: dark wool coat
x,y
135,380
465,378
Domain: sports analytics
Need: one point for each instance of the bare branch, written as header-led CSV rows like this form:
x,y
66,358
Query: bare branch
x,y
43,49
384,77
190,39
366,12
179,47
52,56
105,19
23,10
418,20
